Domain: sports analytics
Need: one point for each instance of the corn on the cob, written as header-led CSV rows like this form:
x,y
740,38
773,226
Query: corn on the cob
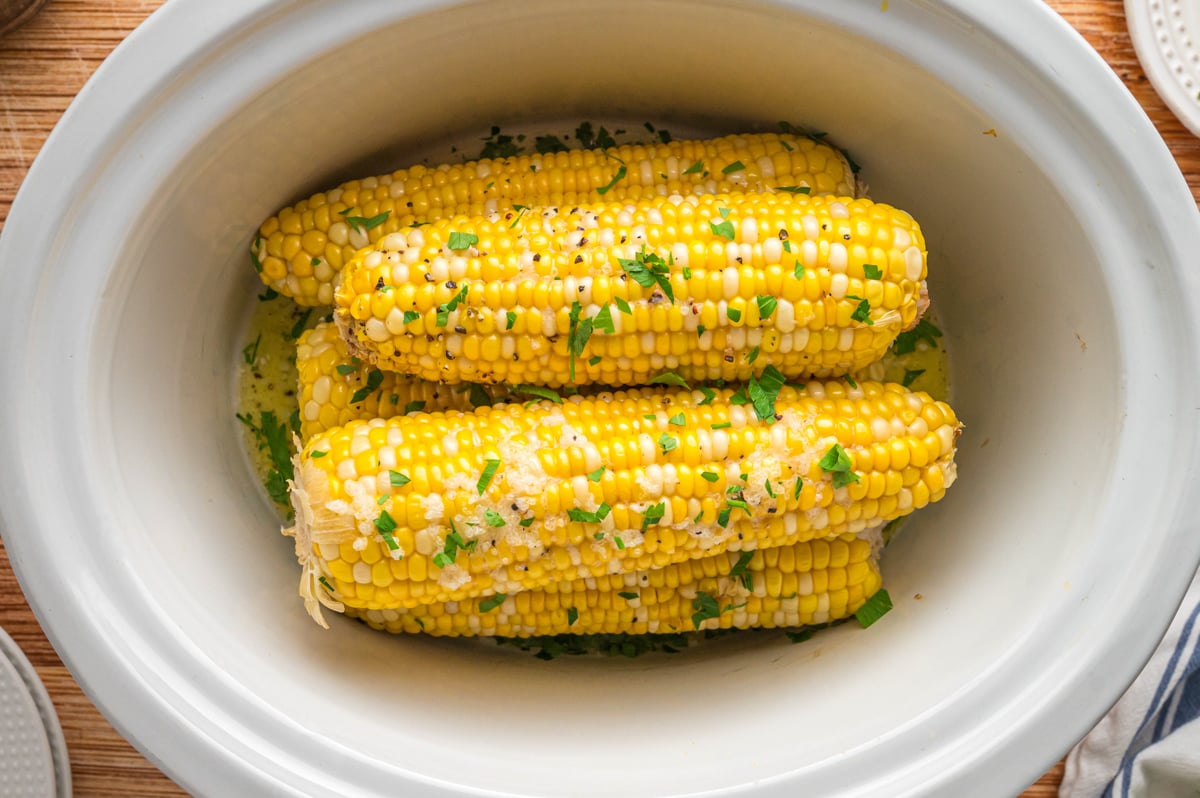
x,y
799,585
300,250
445,506
716,287
335,388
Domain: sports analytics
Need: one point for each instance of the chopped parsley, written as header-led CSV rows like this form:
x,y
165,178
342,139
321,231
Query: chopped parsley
x,y
623,306
492,602
493,518
498,145
910,376
739,569
877,606
723,229
736,166
450,549
764,390
799,270
678,420
653,514
325,584
578,333
794,189
766,306
799,487
460,241
572,616
691,170
397,479
374,380
410,316
479,397
510,319
490,467
385,525
669,378
767,487
709,395
752,355
250,351
444,311
548,144
539,392
300,324
872,272
705,607
709,476
666,443
589,516
620,175
734,314
604,321
648,269
596,475
628,596
620,543
346,368
414,407
862,313
520,209
906,342
315,454
722,425
837,462
271,435
362,225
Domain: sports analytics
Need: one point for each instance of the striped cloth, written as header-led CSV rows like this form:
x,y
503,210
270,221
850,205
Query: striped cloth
x,y
1148,745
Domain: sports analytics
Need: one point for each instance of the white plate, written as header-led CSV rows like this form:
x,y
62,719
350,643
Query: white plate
x,y
33,754
1166,35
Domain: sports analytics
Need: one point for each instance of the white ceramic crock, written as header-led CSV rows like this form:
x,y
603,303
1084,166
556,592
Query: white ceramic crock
x,y
1062,246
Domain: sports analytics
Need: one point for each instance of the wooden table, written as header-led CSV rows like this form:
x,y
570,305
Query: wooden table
x,y
45,63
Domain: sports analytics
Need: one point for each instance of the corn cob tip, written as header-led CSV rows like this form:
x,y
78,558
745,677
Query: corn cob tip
x,y
311,587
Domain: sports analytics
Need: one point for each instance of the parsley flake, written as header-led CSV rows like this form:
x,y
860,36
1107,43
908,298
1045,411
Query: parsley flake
x,y
596,475
490,468
906,342
862,313
794,189
910,376
397,479
678,420
709,476
460,241
872,272
734,314
837,462
877,606
667,443
620,175
250,352
739,569
572,616
374,380
691,170
669,378
724,229
493,518
653,514
362,225
604,320
648,269
736,166
511,319
589,516
628,596
766,306
705,607
539,392
492,602
414,407
764,390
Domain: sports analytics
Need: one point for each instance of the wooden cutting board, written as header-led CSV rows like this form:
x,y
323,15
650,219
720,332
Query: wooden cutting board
x,y
44,64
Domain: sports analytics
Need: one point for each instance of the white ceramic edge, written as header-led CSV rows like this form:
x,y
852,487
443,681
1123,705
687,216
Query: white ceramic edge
x,y
59,756
131,697
1175,78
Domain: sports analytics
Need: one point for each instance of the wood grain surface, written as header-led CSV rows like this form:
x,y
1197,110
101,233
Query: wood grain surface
x,y
44,64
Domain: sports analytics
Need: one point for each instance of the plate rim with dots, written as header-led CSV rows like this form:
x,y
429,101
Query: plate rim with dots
x,y
1166,38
